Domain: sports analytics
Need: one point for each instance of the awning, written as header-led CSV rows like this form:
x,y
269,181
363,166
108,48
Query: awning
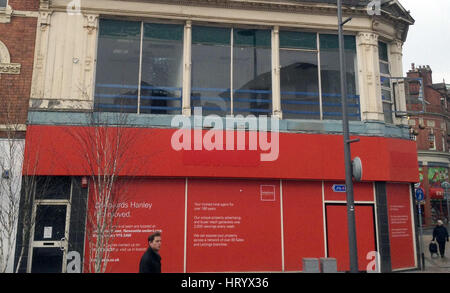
x,y
436,193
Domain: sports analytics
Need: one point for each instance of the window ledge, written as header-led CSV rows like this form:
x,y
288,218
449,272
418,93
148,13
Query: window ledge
x,y
5,14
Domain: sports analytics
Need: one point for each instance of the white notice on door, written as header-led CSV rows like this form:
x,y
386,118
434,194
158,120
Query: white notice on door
x,y
48,232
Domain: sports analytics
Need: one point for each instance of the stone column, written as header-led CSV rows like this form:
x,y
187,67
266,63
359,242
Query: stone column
x,y
42,36
396,64
186,95
276,96
369,77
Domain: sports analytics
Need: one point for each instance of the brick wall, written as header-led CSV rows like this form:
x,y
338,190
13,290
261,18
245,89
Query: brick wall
x,y
26,5
19,37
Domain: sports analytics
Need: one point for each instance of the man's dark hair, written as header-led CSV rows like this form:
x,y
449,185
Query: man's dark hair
x,y
152,236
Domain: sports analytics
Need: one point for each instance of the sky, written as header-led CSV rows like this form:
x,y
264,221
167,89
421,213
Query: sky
x,y
428,41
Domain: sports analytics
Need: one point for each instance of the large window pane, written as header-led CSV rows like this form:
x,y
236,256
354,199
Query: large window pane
x,y
117,77
252,76
211,67
330,77
383,51
299,84
387,109
299,81
162,69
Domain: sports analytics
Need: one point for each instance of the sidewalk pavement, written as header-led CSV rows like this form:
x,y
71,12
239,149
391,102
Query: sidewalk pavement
x,y
434,264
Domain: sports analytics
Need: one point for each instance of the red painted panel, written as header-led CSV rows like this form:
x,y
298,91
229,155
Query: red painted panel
x,y
303,222
147,206
233,225
400,225
337,233
58,150
362,191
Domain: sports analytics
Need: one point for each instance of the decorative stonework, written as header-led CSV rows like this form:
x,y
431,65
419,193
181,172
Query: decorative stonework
x,y
91,22
44,4
366,38
396,47
6,67
10,68
44,19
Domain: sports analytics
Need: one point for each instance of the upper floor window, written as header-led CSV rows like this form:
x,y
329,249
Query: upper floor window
x,y
3,4
231,71
330,77
386,87
140,70
139,67
299,75
432,141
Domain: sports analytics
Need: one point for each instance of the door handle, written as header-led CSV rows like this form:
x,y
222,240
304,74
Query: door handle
x,y
61,245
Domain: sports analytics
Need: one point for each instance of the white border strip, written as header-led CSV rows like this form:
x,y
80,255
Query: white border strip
x,y
377,239
324,221
411,208
282,225
185,223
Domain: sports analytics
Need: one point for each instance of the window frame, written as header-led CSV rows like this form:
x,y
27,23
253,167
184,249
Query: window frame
x,y
433,136
233,46
384,88
275,48
140,63
304,50
4,7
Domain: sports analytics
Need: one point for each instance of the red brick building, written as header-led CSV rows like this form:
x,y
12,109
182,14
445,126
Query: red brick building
x,y
428,107
18,25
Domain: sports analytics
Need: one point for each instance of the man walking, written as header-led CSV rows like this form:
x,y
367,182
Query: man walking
x,y
151,260
440,233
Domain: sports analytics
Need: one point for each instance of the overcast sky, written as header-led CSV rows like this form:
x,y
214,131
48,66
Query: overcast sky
x,y
428,41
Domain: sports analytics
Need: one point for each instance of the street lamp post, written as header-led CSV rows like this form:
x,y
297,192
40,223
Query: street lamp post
x,y
347,154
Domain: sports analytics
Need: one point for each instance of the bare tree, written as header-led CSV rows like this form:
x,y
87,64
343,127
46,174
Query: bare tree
x,y
11,156
16,191
105,145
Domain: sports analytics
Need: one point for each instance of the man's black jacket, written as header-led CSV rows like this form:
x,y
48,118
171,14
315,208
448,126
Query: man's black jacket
x,y
150,262
440,233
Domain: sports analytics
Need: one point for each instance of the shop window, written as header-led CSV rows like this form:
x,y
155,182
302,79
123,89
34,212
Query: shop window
x,y
128,50
299,79
385,79
330,77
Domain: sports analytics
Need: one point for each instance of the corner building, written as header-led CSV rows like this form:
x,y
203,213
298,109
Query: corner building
x,y
146,67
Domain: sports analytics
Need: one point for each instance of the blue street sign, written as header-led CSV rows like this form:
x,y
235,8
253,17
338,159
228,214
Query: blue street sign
x,y
339,188
419,194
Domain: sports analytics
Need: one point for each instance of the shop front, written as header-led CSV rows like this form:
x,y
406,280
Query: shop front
x,y
228,211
